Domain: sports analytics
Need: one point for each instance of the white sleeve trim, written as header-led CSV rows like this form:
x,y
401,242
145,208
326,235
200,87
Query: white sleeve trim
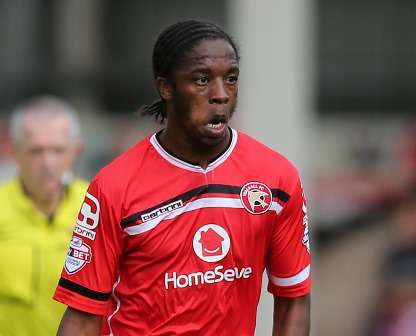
x,y
293,280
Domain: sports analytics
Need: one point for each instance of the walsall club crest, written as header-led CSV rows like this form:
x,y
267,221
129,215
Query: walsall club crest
x,y
256,197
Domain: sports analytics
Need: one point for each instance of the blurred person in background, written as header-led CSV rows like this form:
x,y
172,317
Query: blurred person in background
x,y
396,307
39,207
174,235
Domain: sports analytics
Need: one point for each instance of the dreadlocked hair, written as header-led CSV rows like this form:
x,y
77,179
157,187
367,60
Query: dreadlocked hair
x,y
171,45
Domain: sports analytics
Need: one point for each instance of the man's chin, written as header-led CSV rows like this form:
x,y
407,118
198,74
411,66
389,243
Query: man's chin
x,y
50,192
215,141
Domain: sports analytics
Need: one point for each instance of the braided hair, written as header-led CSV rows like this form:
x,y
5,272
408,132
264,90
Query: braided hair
x,y
171,45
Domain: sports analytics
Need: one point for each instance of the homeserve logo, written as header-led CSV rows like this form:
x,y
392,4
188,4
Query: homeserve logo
x,y
209,277
211,243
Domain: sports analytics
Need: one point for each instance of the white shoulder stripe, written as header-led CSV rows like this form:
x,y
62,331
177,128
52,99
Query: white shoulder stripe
x,y
293,280
211,202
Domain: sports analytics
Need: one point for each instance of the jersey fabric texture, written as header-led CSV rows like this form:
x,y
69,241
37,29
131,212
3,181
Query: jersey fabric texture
x,y
33,248
164,247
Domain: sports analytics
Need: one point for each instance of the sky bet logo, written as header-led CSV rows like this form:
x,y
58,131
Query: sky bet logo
x,y
79,254
211,243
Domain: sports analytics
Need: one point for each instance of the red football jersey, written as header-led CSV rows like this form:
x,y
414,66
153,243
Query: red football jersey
x,y
164,247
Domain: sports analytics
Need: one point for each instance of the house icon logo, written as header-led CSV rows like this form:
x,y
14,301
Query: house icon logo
x,y
211,243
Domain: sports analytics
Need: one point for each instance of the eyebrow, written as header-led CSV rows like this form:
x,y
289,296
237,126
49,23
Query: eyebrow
x,y
204,68
198,57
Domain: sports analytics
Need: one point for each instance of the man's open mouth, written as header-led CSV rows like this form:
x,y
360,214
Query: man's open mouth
x,y
215,125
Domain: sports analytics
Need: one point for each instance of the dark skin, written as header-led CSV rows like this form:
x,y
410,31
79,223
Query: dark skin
x,y
202,93
76,322
200,99
291,316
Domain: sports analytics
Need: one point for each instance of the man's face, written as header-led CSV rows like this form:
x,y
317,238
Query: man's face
x,y
44,153
205,91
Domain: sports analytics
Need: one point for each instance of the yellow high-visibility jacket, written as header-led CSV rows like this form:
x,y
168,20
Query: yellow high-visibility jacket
x,y
32,253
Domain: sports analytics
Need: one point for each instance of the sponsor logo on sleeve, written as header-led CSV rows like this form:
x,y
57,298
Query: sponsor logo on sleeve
x,y
82,231
256,197
79,254
305,238
88,217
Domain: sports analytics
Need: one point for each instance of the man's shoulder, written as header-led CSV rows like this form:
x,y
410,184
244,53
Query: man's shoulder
x,y
258,153
78,187
8,189
12,199
121,169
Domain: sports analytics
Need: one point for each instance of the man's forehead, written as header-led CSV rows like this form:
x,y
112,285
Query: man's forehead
x,y
208,60
198,58
209,51
34,125
34,118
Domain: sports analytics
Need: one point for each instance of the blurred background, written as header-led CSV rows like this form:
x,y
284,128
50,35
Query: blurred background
x,y
329,83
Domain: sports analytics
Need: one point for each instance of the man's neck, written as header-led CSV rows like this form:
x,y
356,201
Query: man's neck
x,y
192,152
47,206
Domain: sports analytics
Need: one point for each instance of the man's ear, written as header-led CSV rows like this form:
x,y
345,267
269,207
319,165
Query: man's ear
x,y
164,87
11,149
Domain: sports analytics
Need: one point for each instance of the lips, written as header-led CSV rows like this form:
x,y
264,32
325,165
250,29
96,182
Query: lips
x,y
216,130
215,125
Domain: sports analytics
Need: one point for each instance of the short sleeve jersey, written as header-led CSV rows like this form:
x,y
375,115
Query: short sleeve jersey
x,y
164,247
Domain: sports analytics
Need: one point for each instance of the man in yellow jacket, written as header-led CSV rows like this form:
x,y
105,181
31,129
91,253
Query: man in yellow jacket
x,y
38,210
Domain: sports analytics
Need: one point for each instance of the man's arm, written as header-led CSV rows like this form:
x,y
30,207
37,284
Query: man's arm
x,y
75,322
291,316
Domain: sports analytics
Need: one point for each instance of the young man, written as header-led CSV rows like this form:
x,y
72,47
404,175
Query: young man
x,y
174,235
38,208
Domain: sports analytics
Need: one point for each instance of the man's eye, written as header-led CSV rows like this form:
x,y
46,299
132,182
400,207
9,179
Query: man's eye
x,y
35,151
231,79
202,81
59,150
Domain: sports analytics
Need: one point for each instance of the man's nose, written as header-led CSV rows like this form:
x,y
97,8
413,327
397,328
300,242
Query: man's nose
x,y
49,158
219,93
